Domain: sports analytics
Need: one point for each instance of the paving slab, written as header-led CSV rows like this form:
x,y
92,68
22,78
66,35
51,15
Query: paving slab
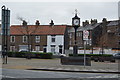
x,y
23,63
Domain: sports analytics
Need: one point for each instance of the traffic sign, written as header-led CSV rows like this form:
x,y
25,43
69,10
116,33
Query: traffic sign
x,y
85,35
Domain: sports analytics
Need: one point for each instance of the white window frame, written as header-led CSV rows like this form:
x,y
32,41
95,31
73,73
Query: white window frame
x,y
53,37
12,39
12,48
37,48
37,39
25,41
53,48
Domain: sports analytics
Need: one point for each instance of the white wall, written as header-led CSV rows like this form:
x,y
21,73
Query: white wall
x,y
59,40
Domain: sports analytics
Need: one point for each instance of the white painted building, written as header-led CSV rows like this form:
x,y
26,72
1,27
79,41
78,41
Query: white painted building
x,y
55,43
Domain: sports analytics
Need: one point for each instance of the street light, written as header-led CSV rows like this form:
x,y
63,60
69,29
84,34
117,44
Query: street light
x,y
75,24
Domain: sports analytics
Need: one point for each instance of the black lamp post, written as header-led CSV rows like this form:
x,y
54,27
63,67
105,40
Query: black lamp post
x,y
75,24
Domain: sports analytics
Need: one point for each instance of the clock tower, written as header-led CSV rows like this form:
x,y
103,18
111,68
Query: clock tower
x,y
75,24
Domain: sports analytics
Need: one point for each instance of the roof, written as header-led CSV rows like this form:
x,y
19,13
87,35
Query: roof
x,y
113,23
38,30
90,26
87,27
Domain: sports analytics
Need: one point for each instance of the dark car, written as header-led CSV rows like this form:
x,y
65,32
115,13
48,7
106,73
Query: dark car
x,y
116,55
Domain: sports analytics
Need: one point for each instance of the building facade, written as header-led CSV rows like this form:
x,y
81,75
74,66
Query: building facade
x,y
111,35
41,38
105,34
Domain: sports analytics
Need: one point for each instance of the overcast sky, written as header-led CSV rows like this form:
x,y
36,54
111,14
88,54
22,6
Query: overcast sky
x,y
60,12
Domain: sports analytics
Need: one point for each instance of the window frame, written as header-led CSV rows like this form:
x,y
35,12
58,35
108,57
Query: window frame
x,y
12,39
25,41
53,38
37,48
12,48
37,39
53,48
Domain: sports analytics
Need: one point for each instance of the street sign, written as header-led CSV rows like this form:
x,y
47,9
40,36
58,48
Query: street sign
x,y
85,38
5,21
5,32
85,35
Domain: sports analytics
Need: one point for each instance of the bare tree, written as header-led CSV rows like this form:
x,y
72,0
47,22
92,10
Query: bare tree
x,y
28,32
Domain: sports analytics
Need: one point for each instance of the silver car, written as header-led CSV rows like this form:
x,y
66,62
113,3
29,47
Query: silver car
x,y
116,55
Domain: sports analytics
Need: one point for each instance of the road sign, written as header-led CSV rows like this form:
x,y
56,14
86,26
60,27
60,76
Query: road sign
x,y
5,21
85,35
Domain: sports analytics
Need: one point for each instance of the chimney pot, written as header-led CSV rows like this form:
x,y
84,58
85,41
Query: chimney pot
x,y
51,23
24,23
37,22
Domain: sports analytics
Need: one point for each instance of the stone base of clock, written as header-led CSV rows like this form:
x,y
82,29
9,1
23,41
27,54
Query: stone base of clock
x,y
75,61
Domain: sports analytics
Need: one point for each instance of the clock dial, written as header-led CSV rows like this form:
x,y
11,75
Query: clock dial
x,y
76,22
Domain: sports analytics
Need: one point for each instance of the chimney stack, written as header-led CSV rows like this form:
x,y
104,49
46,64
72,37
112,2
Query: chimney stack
x,y
24,23
37,23
85,23
93,21
51,23
104,20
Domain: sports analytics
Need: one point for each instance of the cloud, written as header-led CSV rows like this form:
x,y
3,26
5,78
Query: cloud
x,y
61,12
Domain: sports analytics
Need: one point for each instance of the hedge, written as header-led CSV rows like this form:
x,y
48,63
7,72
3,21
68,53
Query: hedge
x,y
89,55
32,54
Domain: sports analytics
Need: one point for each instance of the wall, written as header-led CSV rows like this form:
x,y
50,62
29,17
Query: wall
x,y
18,42
59,40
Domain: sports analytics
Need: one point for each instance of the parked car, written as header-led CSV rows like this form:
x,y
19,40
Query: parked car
x,y
116,55
57,54
23,50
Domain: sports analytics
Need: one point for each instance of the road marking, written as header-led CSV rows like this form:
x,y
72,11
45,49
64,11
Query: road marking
x,y
7,76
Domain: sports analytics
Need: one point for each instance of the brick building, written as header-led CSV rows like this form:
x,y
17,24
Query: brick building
x,y
93,28
111,35
104,34
42,38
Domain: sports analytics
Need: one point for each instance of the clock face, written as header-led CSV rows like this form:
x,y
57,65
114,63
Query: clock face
x,y
76,22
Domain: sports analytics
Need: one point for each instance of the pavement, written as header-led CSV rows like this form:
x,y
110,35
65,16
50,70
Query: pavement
x,y
55,65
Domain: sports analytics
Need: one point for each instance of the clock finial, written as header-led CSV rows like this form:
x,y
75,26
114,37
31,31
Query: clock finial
x,y
76,11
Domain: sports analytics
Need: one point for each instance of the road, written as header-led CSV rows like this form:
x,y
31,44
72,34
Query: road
x,y
15,73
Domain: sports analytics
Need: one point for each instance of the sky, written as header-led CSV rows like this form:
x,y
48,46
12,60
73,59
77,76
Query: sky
x,y
61,12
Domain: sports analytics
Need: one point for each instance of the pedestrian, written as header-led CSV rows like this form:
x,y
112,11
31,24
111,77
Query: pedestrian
x,y
3,56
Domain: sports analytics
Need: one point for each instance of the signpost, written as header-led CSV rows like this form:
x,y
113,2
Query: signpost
x,y
5,32
85,38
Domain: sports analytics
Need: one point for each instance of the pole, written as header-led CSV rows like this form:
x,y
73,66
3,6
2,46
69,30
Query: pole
x,y
4,40
84,53
75,46
7,34
29,54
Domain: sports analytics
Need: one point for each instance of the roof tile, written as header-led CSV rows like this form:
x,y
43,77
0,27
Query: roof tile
x,y
38,30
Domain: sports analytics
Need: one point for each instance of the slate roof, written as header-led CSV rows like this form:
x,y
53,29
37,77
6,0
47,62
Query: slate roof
x,y
113,23
39,30
87,27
